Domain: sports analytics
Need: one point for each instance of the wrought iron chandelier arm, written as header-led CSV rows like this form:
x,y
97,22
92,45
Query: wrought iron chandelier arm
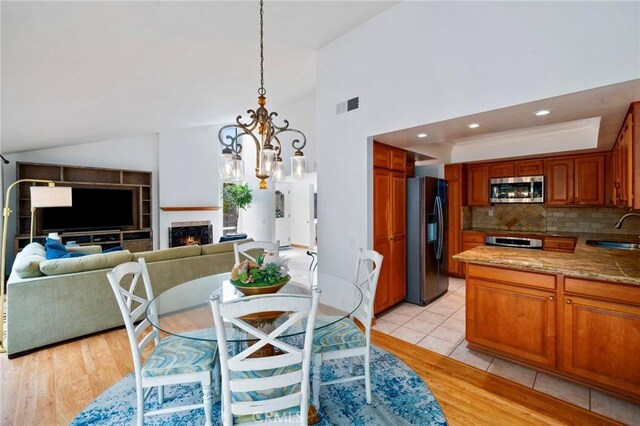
x,y
299,143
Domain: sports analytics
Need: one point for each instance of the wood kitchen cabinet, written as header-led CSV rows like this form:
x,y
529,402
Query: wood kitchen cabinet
x,y
515,316
456,186
626,161
597,334
478,185
572,181
389,224
471,239
529,168
499,170
586,330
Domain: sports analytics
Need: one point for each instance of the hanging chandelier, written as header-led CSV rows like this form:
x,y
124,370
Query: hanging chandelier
x,y
266,136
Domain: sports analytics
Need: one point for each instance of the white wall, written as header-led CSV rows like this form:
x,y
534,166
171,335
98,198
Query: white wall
x,y
422,62
301,114
188,164
134,153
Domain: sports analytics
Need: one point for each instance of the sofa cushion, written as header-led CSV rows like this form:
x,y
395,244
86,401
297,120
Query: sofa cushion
x,y
85,249
226,247
168,254
28,265
86,263
34,248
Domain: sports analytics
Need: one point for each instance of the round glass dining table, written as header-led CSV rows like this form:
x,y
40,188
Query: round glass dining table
x,y
185,310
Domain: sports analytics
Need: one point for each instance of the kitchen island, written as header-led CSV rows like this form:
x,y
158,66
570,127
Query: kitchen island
x,y
572,314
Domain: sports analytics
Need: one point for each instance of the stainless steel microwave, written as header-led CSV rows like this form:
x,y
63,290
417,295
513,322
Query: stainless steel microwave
x,y
528,189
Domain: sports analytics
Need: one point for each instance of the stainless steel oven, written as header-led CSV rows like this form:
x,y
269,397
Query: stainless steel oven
x,y
517,190
520,242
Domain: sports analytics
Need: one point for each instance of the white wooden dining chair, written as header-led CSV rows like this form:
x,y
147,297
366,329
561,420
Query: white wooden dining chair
x,y
344,339
173,360
270,389
266,246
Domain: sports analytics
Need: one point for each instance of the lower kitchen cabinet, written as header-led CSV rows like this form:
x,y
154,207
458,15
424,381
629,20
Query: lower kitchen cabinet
x,y
510,318
586,330
596,340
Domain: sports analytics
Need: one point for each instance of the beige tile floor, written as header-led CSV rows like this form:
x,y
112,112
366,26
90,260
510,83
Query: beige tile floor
x,y
440,327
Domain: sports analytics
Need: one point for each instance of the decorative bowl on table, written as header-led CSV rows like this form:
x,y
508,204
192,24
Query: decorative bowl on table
x,y
267,274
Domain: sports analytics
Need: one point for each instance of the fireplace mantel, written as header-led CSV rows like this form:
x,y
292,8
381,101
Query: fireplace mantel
x,y
189,209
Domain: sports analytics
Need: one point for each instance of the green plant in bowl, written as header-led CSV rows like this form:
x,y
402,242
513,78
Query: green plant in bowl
x,y
267,274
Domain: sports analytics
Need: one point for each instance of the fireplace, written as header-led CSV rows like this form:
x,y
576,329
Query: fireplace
x,y
190,233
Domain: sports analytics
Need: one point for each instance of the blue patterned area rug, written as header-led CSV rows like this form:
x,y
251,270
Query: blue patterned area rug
x,y
400,397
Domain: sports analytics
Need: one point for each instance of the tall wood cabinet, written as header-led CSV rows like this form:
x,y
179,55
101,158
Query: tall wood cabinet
x,y
389,223
478,185
626,161
455,175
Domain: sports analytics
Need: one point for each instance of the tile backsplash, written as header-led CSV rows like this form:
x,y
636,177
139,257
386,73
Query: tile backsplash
x,y
538,217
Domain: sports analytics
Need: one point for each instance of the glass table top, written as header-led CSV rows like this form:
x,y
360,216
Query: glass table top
x,y
185,311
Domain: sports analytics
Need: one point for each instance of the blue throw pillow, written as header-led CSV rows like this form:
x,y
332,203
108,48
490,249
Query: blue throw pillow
x,y
55,250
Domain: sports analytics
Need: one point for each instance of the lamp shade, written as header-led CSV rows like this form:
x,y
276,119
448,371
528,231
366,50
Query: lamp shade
x,y
50,196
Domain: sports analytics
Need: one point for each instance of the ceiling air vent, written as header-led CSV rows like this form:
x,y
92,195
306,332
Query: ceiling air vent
x,y
347,106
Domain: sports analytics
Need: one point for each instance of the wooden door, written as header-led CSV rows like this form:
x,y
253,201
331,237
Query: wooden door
x,y
589,180
628,168
453,173
559,181
600,342
478,185
516,321
381,237
397,232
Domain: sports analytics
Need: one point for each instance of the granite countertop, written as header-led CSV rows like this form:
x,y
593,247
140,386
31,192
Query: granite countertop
x,y
588,262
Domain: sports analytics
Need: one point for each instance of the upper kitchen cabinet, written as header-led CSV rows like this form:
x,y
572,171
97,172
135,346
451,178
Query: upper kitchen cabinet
x,y
498,170
389,223
516,168
478,185
626,161
573,181
529,168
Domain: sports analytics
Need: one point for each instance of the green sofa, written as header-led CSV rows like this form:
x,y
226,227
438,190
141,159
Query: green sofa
x,y
49,301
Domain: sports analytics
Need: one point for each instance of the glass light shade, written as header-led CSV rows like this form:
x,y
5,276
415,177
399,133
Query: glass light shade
x,y
298,166
278,172
267,162
226,166
238,170
50,196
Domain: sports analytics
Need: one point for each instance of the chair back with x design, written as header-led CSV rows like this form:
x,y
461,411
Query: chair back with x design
x,y
258,386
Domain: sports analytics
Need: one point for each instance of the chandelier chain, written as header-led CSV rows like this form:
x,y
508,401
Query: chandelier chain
x,y
261,91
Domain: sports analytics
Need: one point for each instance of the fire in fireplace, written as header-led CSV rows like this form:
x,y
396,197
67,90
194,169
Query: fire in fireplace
x,y
190,233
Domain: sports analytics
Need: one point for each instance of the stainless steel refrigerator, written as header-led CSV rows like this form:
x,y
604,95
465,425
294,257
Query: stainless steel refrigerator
x,y
426,239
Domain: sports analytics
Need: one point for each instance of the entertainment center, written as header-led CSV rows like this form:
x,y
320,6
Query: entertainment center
x,y
111,207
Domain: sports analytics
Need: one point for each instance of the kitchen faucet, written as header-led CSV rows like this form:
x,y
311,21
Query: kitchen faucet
x,y
619,224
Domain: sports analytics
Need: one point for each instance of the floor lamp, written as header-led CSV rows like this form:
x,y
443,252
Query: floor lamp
x,y
41,196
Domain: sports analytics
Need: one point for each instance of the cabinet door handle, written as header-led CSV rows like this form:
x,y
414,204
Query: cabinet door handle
x,y
552,298
569,301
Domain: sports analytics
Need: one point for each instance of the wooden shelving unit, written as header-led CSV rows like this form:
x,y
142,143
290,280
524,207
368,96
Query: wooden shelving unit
x,y
138,237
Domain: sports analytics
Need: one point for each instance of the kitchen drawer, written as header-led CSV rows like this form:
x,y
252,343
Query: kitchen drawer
x,y
517,277
559,244
629,294
473,237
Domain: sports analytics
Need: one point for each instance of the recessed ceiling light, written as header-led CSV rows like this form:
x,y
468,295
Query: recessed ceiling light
x,y
422,135
542,112
473,125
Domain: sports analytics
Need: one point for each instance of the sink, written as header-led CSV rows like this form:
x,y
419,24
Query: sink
x,y
613,244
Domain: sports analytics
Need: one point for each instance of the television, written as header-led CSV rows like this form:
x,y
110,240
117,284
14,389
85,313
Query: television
x,y
92,209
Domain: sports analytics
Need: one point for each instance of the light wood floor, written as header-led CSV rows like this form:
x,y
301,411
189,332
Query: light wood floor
x,y
52,385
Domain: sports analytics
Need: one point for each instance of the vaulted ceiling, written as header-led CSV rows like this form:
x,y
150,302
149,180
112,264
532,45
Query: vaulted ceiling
x,y
77,72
